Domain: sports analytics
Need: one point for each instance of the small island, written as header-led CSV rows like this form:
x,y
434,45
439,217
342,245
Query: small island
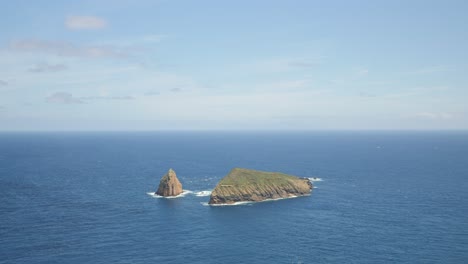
x,y
169,185
245,185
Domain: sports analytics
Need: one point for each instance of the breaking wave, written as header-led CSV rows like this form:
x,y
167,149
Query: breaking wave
x,y
183,194
232,204
252,202
315,179
203,193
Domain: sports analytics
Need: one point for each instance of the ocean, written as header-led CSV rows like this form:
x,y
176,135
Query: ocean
x,y
82,197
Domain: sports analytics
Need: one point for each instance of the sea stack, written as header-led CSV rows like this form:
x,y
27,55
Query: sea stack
x,y
244,185
169,185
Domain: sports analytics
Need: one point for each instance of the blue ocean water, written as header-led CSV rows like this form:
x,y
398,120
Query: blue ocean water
x,y
386,197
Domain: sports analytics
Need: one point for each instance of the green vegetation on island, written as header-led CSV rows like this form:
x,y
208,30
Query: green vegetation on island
x,y
242,185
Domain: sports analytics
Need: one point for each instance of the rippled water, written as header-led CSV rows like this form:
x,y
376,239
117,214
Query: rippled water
x,y
386,197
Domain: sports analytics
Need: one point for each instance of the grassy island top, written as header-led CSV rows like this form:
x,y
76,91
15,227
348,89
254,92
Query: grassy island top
x,y
240,177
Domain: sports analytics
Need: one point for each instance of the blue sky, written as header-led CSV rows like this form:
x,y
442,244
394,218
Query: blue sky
x,y
240,65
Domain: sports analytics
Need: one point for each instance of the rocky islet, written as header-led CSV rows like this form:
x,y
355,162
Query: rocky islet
x,y
169,185
244,185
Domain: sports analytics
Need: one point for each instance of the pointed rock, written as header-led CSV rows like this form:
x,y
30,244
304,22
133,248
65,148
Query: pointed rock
x,y
169,185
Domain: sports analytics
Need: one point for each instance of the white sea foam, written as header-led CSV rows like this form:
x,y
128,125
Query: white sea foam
x,y
232,204
153,194
184,193
203,193
252,202
276,199
315,179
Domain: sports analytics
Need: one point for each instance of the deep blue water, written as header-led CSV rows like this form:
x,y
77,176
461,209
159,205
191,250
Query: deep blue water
x,y
387,197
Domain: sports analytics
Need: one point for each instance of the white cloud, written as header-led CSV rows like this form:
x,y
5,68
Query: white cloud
x,y
430,69
434,116
63,98
280,64
67,49
85,22
126,97
363,72
367,95
302,64
68,98
151,38
285,85
45,67
176,90
280,86
151,93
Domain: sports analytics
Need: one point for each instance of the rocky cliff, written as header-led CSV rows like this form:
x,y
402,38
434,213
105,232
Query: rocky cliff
x,y
242,185
169,185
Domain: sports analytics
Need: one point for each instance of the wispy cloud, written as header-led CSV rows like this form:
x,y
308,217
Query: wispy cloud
x,y
286,85
176,90
85,23
353,75
154,38
293,86
63,98
67,49
367,95
151,93
45,67
430,69
68,98
297,117
88,98
363,72
3,83
281,64
302,64
434,116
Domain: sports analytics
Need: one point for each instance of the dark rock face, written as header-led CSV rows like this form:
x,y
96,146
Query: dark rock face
x,y
169,185
242,185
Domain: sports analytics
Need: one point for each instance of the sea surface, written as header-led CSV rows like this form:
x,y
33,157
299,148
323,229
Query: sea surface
x,y
385,197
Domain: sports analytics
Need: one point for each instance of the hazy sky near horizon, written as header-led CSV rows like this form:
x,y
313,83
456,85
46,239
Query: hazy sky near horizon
x,y
151,65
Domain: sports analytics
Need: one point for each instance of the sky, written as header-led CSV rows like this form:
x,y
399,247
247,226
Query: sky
x,y
233,65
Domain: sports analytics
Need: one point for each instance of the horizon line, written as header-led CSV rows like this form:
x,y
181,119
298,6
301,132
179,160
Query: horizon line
x,y
236,130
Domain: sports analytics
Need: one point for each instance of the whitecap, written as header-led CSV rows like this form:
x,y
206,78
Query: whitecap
x,y
153,194
232,204
184,193
203,193
252,202
282,198
315,179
